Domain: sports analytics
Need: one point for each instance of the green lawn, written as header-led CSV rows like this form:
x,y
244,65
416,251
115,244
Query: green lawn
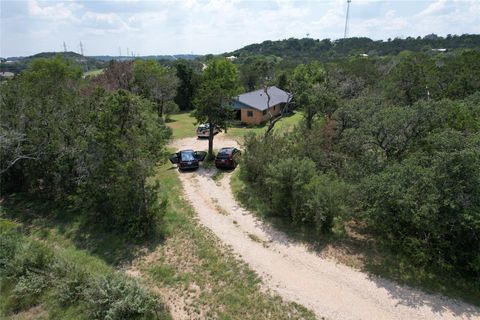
x,y
183,125
93,73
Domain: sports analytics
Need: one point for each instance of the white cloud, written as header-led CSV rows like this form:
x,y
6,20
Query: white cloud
x,y
104,23
56,12
215,26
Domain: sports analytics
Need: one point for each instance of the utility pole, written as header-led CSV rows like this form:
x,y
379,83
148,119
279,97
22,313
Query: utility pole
x,y
119,52
346,20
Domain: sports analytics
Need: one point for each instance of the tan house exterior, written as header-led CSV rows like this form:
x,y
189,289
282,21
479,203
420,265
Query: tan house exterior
x,y
254,116
252,107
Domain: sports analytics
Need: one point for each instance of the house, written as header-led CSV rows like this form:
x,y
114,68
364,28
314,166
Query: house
x,y
254,108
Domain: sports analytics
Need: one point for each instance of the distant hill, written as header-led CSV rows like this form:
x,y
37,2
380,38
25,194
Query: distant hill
x,y
17,64
155,57
308,49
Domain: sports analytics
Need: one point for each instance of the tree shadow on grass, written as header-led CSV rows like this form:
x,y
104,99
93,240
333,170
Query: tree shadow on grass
x,y
43,218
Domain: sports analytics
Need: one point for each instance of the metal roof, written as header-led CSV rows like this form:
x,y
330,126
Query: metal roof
x,y
258,99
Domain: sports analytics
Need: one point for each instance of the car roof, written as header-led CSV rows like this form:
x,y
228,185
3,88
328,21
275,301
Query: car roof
x,y
186,150
227,149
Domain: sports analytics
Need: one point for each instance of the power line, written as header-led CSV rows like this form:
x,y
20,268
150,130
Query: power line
x,y
346,20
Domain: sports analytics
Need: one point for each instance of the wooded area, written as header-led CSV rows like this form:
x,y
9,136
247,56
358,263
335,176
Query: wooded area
x,y
389,142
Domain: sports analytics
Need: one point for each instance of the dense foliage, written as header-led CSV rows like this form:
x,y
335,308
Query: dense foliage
x,y
307,49
398,152
88,143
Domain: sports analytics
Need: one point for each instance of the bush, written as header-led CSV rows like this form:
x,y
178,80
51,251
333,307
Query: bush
x,y
9,241
428,206
118,297
285,183
326,197
259,153
33,272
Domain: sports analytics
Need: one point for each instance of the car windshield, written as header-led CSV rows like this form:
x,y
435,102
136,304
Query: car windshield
x,y
224,153
187,156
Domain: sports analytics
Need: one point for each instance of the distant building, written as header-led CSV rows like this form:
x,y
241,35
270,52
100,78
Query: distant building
x,y
7,74
440,50
231,58
363,55
253,107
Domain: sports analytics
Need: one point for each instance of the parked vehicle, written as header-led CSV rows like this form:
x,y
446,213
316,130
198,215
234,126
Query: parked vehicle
x,y
227,158
188,159
203,130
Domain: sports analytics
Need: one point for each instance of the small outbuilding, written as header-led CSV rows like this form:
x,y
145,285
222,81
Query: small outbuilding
x,y
254,107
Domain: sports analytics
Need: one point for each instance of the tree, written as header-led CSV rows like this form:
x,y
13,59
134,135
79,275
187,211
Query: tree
x,y
154,82
214,97
408,82
257,71
428,205
189,82
40,111
117,75
311,92
170,108
123,148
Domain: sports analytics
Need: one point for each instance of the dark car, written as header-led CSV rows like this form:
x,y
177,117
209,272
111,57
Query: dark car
x,y
227,158
188,159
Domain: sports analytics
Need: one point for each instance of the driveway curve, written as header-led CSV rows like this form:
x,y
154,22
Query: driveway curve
x,y
287,267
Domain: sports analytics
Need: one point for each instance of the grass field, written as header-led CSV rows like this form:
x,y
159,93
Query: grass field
x,y
93,73
183,125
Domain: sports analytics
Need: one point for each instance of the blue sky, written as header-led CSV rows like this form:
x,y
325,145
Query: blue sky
x,y
201,26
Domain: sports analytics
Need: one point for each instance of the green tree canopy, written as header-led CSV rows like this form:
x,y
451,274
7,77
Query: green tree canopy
x,y
220,83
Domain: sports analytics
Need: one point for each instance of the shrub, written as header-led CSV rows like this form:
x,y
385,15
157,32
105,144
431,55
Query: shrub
x,y
285,183
326,198
116,296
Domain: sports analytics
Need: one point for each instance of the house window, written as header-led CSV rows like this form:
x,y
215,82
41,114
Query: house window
x,y
264,112
249,114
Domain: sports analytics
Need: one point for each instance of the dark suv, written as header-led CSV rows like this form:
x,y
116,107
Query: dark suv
x,y
227,158
188,159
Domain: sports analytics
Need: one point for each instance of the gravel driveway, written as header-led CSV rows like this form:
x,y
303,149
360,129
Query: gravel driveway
x,y
330,289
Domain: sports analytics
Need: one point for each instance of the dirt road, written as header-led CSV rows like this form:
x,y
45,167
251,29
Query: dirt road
x,y
329,289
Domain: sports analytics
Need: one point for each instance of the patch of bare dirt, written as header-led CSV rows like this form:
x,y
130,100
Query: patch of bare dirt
x,y
37,312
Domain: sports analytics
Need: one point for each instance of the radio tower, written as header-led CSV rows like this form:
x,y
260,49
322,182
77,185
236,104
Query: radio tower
x,y
346,19
64,47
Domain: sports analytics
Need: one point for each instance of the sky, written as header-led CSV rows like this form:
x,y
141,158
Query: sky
x,y
201,26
